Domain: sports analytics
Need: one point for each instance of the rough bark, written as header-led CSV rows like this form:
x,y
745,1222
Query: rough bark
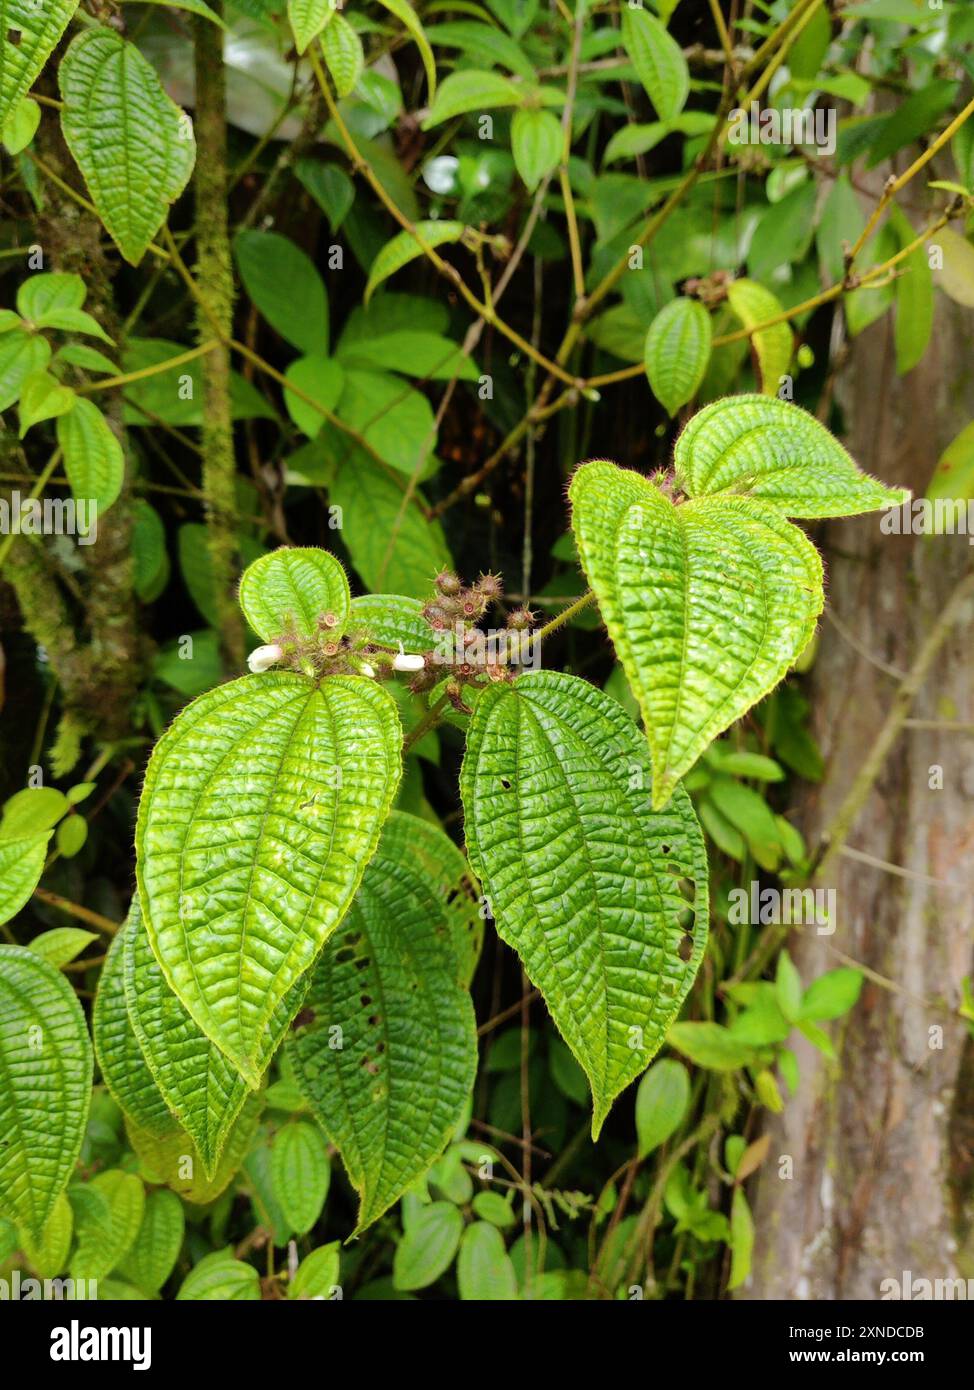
x,y
880,1141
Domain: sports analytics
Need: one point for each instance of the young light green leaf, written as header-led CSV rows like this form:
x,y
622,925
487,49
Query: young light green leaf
x,y
29,34
93,457
389,619
391,1096
285,286
22,354
124,1195
46,1061
742,1239
536,144
584,879
427,1247
404,247
71,837
658,60
21,865
956,274
427,355
472,90
20,126
772,347
661,1103
405,13
61,945
197,1083
307,18
320,378
49,1253
133,145
484,44
914,297
290,589
172,1159
301,1174
219,1277
677,352
48,292
788,987
831,995
953,476
238,908
772,450
371,506
344,58
710,1045
32,810
485,1272
153,1254
123,1067
317,1274
708,604
42,397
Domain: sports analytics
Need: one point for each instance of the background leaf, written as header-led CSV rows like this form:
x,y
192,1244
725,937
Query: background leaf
x,y
46,1059
137,153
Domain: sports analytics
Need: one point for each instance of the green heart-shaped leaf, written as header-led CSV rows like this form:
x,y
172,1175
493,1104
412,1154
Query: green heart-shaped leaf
x,y
133,145
123,1067
391,1095
708,604
29,34
261,807
760,446
584,879
200,1087
46,1065
288,590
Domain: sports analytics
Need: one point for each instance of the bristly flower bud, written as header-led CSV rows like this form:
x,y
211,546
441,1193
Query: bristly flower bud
x,y
490,586
474,604
436,617
447,583
521,619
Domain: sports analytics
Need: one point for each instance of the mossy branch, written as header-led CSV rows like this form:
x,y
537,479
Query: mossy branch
x,y
215,277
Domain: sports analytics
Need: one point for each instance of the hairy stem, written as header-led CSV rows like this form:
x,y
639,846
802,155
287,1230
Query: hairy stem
x,y
215,274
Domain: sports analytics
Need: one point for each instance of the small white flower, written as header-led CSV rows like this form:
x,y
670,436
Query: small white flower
x,y
407,662
366,670
263,658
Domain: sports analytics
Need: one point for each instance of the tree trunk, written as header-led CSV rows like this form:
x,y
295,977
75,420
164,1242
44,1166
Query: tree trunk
x,y
880,1141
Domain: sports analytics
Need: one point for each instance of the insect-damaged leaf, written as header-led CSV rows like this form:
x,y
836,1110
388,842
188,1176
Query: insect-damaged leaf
x,y
391,1095
586,882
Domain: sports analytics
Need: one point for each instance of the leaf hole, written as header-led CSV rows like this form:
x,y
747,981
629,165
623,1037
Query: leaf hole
x,y
365,1000
374,1021
685,949
343,956
505,783
14,36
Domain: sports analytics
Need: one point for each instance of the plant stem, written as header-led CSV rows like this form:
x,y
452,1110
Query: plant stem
x,y
215,271
83,914
566,616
